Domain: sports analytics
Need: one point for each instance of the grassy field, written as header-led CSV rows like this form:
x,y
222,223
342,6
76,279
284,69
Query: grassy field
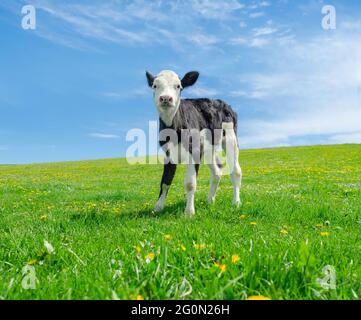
x,y
301,212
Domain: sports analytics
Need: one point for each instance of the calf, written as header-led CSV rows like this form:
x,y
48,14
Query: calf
x,y
183,117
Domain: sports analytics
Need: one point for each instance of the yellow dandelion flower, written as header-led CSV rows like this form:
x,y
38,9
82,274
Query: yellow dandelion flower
x,y
253,223
319,225
243,216
235,259
44,217
258,298
139,297
138,249
183,248
284,231
167,237
149,257
325,234
223,268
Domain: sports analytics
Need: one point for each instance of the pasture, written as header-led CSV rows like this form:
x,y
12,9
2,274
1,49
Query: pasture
x,y
301,212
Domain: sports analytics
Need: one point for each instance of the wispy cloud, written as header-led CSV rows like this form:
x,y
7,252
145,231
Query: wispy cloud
x,y
250,42
311,93
121,94
264,31
220,9
259,42
103,136
203,39
142,23
199,92
255,15
352,137
257,5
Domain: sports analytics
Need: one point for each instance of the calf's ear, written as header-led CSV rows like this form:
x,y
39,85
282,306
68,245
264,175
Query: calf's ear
x,y
190,79
150,79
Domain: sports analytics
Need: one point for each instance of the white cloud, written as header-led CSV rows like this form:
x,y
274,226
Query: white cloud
x,y
239,41
353,137
120,95
264,31
351,25
264,4
256,5
202,39
259,42
255,15
86,26
103,136
242,24
219,9
113,95
313,90
337,127
251,43
200,92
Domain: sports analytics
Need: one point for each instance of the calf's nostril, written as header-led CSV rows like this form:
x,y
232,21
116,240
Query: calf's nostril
x,y
165,99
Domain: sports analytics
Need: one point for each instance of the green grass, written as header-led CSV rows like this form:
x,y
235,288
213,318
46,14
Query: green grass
x,y
98,217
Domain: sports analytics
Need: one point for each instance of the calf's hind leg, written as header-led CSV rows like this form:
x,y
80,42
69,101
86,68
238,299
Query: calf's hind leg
x,y
216,174
230,146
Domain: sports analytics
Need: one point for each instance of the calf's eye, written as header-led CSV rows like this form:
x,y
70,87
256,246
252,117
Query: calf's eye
x,y
155,87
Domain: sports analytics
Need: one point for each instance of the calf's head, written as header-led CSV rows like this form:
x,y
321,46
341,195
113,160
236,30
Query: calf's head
x,y
167,88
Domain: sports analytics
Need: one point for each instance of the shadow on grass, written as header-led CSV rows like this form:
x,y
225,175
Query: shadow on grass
x,y
175,210
171,210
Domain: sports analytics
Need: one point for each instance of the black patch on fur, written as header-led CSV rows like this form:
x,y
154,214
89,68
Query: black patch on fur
x,y
190,79
168,175
200,114
197,168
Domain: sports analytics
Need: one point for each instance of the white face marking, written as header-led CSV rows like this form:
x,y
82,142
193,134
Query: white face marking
x,y
167,95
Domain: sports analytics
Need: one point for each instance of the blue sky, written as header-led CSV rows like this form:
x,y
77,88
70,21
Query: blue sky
x,y
72,88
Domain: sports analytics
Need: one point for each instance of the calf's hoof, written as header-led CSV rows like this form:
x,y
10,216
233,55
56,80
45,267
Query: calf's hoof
x,y
158,207
236,203
190,212
211,200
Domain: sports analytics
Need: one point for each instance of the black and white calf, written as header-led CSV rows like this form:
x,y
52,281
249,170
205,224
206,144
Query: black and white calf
x,y
179,119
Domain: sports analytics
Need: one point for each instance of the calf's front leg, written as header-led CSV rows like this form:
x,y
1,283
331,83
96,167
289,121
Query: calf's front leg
x,y
167,178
